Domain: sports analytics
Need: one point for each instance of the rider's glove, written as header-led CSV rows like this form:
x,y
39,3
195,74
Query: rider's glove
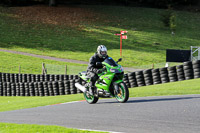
x,y
99,71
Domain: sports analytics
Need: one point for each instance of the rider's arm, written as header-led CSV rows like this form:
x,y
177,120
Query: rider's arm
x,y
92,65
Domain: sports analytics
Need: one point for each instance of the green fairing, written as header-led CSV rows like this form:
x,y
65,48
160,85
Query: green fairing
x,y
106,79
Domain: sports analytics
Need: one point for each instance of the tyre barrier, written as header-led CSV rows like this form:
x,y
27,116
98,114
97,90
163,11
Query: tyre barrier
x,y
15,78
53,85
180,72
188,70
196,68
156,76
38,88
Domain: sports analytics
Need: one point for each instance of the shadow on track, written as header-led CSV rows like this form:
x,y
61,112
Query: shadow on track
x,y
152,100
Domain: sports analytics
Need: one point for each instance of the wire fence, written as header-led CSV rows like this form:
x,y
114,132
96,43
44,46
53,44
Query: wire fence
x,y
44,69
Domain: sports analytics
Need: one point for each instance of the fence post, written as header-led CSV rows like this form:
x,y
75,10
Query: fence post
x,y
43,69
153,66
65,69
19,69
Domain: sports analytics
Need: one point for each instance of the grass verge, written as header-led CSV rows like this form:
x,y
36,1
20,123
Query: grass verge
x,y
32,128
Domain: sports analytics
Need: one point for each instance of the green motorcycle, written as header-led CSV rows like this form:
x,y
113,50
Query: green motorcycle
x,y
109,84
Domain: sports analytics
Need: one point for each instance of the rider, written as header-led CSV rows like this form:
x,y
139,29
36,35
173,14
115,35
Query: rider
x,y
92,69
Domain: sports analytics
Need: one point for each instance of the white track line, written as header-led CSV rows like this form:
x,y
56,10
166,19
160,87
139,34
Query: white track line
x,y
100,131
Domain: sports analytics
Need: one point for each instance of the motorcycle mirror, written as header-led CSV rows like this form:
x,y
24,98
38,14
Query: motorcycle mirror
x,y
120,59
98,64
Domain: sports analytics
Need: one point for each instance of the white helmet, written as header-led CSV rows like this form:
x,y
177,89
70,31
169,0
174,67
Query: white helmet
x,y
102,51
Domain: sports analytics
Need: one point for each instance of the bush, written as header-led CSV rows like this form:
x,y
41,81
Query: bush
x,y
169,20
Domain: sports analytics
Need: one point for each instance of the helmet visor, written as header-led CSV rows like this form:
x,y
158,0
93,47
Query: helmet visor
x,y
104,53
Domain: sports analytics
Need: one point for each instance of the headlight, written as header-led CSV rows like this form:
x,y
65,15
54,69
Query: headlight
x,y
114,70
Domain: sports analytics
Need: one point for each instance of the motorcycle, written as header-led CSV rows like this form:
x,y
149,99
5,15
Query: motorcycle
x,y
109,84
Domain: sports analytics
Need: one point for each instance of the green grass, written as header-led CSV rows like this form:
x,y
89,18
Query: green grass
x,y
24,128
33,65
13,103
147,39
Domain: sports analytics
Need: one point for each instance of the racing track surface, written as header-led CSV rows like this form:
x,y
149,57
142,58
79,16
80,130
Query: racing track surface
x,y
167,114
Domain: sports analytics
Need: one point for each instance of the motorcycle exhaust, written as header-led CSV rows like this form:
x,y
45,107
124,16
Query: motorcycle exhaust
x,y
80,87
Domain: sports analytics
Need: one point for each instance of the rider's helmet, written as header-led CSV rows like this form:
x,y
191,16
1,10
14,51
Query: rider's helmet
x,y
102,51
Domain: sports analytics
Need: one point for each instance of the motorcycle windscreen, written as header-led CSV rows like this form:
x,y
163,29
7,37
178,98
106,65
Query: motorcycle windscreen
x,y
110,61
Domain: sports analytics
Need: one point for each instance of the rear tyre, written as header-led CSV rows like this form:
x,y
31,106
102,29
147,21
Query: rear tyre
x,y
123,96
90,99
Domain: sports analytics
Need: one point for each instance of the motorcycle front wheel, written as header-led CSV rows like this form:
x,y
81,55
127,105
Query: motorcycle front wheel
x,y
123,94
90,99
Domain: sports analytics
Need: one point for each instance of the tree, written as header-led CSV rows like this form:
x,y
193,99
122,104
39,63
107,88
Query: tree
x,y
52,2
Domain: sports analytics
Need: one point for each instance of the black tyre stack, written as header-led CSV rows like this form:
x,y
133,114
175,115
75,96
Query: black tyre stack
x,y
7,77
50,86
180,72
125,79
52,78
3,77
20,77
35,84
8,89
4,89
24,77
46,89
12,78
40,88
16,78
26,86
67,87
172,74
22,89
196,68
156,76
29,78
73,89
17,89
61,88
132,80
148,78
188,70
1,88
47,78
13,89
140,78
31,89
164,75
55,88
66,77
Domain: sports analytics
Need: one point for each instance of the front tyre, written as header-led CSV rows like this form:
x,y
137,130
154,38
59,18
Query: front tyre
x,y
90,99
123,93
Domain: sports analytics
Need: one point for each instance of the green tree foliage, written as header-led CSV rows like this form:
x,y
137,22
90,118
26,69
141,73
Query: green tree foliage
x,y
149,3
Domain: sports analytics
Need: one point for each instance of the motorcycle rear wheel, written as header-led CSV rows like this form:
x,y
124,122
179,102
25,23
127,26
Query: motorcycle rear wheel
x,y
123,96
90,99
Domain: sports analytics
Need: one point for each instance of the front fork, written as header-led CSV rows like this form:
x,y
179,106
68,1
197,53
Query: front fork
x,y
116,88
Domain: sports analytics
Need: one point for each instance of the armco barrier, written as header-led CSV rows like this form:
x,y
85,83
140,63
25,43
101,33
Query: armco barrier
x,y
53,85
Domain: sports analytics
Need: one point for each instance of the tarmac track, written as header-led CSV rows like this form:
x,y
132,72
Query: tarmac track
x,y
166,114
